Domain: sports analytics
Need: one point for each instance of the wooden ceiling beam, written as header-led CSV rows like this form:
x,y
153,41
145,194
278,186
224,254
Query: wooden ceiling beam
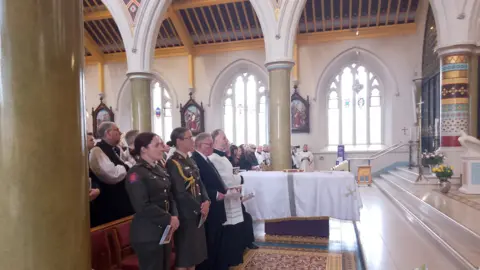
x,y
181,29
184,4
259,44
97,15
350,34
92,47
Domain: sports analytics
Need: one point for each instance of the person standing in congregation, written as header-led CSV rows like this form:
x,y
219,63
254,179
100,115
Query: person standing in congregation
x,y
259,155
149,188
234,229
216,191
94,188
127,155
192,202
305,159
109,172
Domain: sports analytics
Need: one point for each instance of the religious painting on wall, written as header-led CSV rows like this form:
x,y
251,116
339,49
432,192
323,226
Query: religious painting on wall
x,y
101,114
299,113
192,116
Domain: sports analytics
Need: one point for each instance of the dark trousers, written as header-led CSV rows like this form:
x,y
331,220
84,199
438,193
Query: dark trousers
x,y
214,233
248,235
152,256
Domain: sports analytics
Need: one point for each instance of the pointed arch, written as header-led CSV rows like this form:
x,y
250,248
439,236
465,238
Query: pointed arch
x,y
148,22
367,58
229,72
240,95
122,19
123,102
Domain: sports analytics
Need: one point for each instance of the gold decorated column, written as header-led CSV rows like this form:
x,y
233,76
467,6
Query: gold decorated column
x,y
44,220
279,114
141,102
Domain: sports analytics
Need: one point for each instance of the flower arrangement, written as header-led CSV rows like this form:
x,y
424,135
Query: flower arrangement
x,y
443,172
432,158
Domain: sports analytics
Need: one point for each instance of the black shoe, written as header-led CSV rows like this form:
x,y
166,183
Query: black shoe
x,y
252,246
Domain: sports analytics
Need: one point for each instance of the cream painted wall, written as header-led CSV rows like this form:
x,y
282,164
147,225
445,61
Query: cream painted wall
x,y
401,63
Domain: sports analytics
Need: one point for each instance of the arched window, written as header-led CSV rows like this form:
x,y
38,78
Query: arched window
x,y
355,108
162,111
245,110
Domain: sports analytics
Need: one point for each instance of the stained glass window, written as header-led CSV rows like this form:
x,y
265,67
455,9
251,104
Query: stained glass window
x,y
245,111
162,111
355,108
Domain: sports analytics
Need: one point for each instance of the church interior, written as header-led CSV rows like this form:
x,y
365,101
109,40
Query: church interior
x,y
362,114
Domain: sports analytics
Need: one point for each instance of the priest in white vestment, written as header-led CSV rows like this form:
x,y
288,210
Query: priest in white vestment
x,y
305,159
234,226
233,203
259,155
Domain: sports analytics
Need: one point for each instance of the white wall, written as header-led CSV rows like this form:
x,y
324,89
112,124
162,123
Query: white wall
x,y
389,55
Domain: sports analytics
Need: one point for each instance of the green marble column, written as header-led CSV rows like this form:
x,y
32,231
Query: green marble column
x,y
141,102
44,220
279,114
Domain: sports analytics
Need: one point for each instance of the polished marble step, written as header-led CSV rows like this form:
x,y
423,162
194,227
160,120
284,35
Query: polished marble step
x,y
392,240
428,179
458,242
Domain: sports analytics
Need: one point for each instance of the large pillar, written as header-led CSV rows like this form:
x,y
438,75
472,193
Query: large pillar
x,y
141,102
455,102
279,114
44,221
455,97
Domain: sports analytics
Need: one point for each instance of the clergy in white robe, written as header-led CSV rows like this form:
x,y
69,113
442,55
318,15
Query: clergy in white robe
x,y
259,155
233,203
234,241
306,160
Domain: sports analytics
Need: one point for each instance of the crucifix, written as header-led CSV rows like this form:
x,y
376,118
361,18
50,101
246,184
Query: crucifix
x,y
350,192
404,131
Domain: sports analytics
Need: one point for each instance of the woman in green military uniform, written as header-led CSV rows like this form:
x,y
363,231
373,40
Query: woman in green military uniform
x,y
192,202
149,188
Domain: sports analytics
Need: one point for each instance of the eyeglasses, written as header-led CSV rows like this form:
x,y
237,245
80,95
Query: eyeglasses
x,y
208,144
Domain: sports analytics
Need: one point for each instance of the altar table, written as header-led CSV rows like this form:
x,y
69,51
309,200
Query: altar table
x,y
311,196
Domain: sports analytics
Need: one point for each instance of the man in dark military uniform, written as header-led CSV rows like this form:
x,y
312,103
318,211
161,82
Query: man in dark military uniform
x,y
192,202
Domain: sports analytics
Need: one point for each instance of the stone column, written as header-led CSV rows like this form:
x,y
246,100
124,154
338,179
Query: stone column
x,y
44,221
141,102
279,114
455,97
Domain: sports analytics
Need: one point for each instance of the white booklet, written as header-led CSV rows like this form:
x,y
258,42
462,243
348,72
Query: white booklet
x,y
201,221
167,235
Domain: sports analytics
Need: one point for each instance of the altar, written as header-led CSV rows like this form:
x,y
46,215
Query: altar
x,y
288,201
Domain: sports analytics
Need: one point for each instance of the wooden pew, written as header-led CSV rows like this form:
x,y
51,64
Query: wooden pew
x,y
111,249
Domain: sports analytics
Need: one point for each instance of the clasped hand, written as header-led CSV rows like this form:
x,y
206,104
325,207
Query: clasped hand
x,y
204,208
174,222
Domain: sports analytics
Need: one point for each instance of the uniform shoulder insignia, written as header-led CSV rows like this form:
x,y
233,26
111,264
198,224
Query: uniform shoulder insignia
x,y
134,177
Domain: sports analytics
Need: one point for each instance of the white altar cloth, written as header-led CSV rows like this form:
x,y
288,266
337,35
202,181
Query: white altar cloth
x,y
281,195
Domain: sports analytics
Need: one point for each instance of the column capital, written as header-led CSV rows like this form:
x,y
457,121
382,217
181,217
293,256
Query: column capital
x,y
281,64
140,75
456,49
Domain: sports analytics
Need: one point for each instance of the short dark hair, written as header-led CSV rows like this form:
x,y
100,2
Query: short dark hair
x,y
142,140
169,143
178,134
89,133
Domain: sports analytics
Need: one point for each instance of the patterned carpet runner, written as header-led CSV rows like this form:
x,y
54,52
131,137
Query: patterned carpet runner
x,y
301,254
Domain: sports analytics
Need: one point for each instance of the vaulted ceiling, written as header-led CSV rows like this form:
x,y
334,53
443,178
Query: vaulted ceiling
x,y
206,26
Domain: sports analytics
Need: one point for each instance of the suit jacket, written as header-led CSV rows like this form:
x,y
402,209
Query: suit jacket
x,y
213,184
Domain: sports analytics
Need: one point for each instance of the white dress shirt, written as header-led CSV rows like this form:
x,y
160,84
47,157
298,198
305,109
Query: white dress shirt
x,y
104,169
